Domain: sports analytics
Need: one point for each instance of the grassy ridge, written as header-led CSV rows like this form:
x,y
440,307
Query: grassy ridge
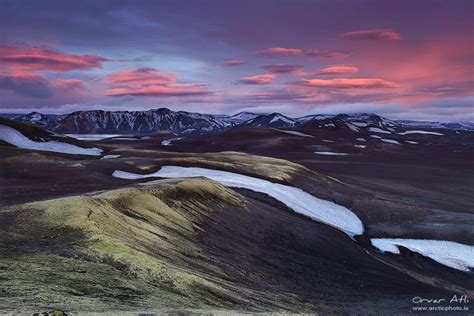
x,y
122,248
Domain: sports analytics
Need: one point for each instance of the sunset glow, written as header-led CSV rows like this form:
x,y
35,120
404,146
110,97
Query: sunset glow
x,y
303,56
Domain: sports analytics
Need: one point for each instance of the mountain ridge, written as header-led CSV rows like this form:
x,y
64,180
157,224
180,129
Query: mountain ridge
x,y
183,122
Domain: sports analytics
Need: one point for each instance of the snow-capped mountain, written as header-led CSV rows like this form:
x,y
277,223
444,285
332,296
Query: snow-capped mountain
x,y
181,122
350,122
366,119
428,124
271,120
243,117
40,119
140,122
313,117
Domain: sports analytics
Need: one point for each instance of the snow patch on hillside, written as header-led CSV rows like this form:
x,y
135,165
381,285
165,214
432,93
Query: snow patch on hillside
x,y
448,253
294,133
378,130
109,157
298,200
420,132
359,124
352,127
330,153
167,142
279,117
14,137
390,141
92,136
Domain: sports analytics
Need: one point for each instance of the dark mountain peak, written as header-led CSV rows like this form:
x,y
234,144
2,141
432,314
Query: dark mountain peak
x,y
246,112
271,120
163,110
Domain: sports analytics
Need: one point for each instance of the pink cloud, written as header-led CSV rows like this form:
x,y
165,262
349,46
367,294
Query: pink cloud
x,y
425,70
280,51
376,34
173,90
233,62
344,83
316,52
151,82
27,58
298,52
337,70
140,77
283,68
258,79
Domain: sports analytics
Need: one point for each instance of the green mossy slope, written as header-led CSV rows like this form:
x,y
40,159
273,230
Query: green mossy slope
x,y
113,250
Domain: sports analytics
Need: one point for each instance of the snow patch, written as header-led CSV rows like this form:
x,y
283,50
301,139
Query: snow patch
x,y
360,146
359,124
352,127
327,141
448,253
294,133
361,139
330,153
375,136
110,157
92,136
390,141
125,138
167,142
420,132
298,200
281,118
14,137
411,142
378,130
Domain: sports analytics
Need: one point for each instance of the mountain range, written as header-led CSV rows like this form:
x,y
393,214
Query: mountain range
x,y
183,123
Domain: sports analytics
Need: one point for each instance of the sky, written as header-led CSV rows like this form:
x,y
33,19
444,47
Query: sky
x,y
398,58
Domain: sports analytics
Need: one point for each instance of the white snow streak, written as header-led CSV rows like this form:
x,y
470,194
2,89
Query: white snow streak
x,y
391,141
378,130
14,137
294,133
110,157
448,253
420,132
167,142
298,200
329,153
92,136
352,127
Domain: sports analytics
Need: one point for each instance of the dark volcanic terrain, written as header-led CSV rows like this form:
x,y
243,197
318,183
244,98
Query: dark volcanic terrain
x,y
76,238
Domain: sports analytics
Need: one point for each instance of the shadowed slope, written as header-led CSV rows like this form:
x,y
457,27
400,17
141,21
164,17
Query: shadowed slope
x,y
189,244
